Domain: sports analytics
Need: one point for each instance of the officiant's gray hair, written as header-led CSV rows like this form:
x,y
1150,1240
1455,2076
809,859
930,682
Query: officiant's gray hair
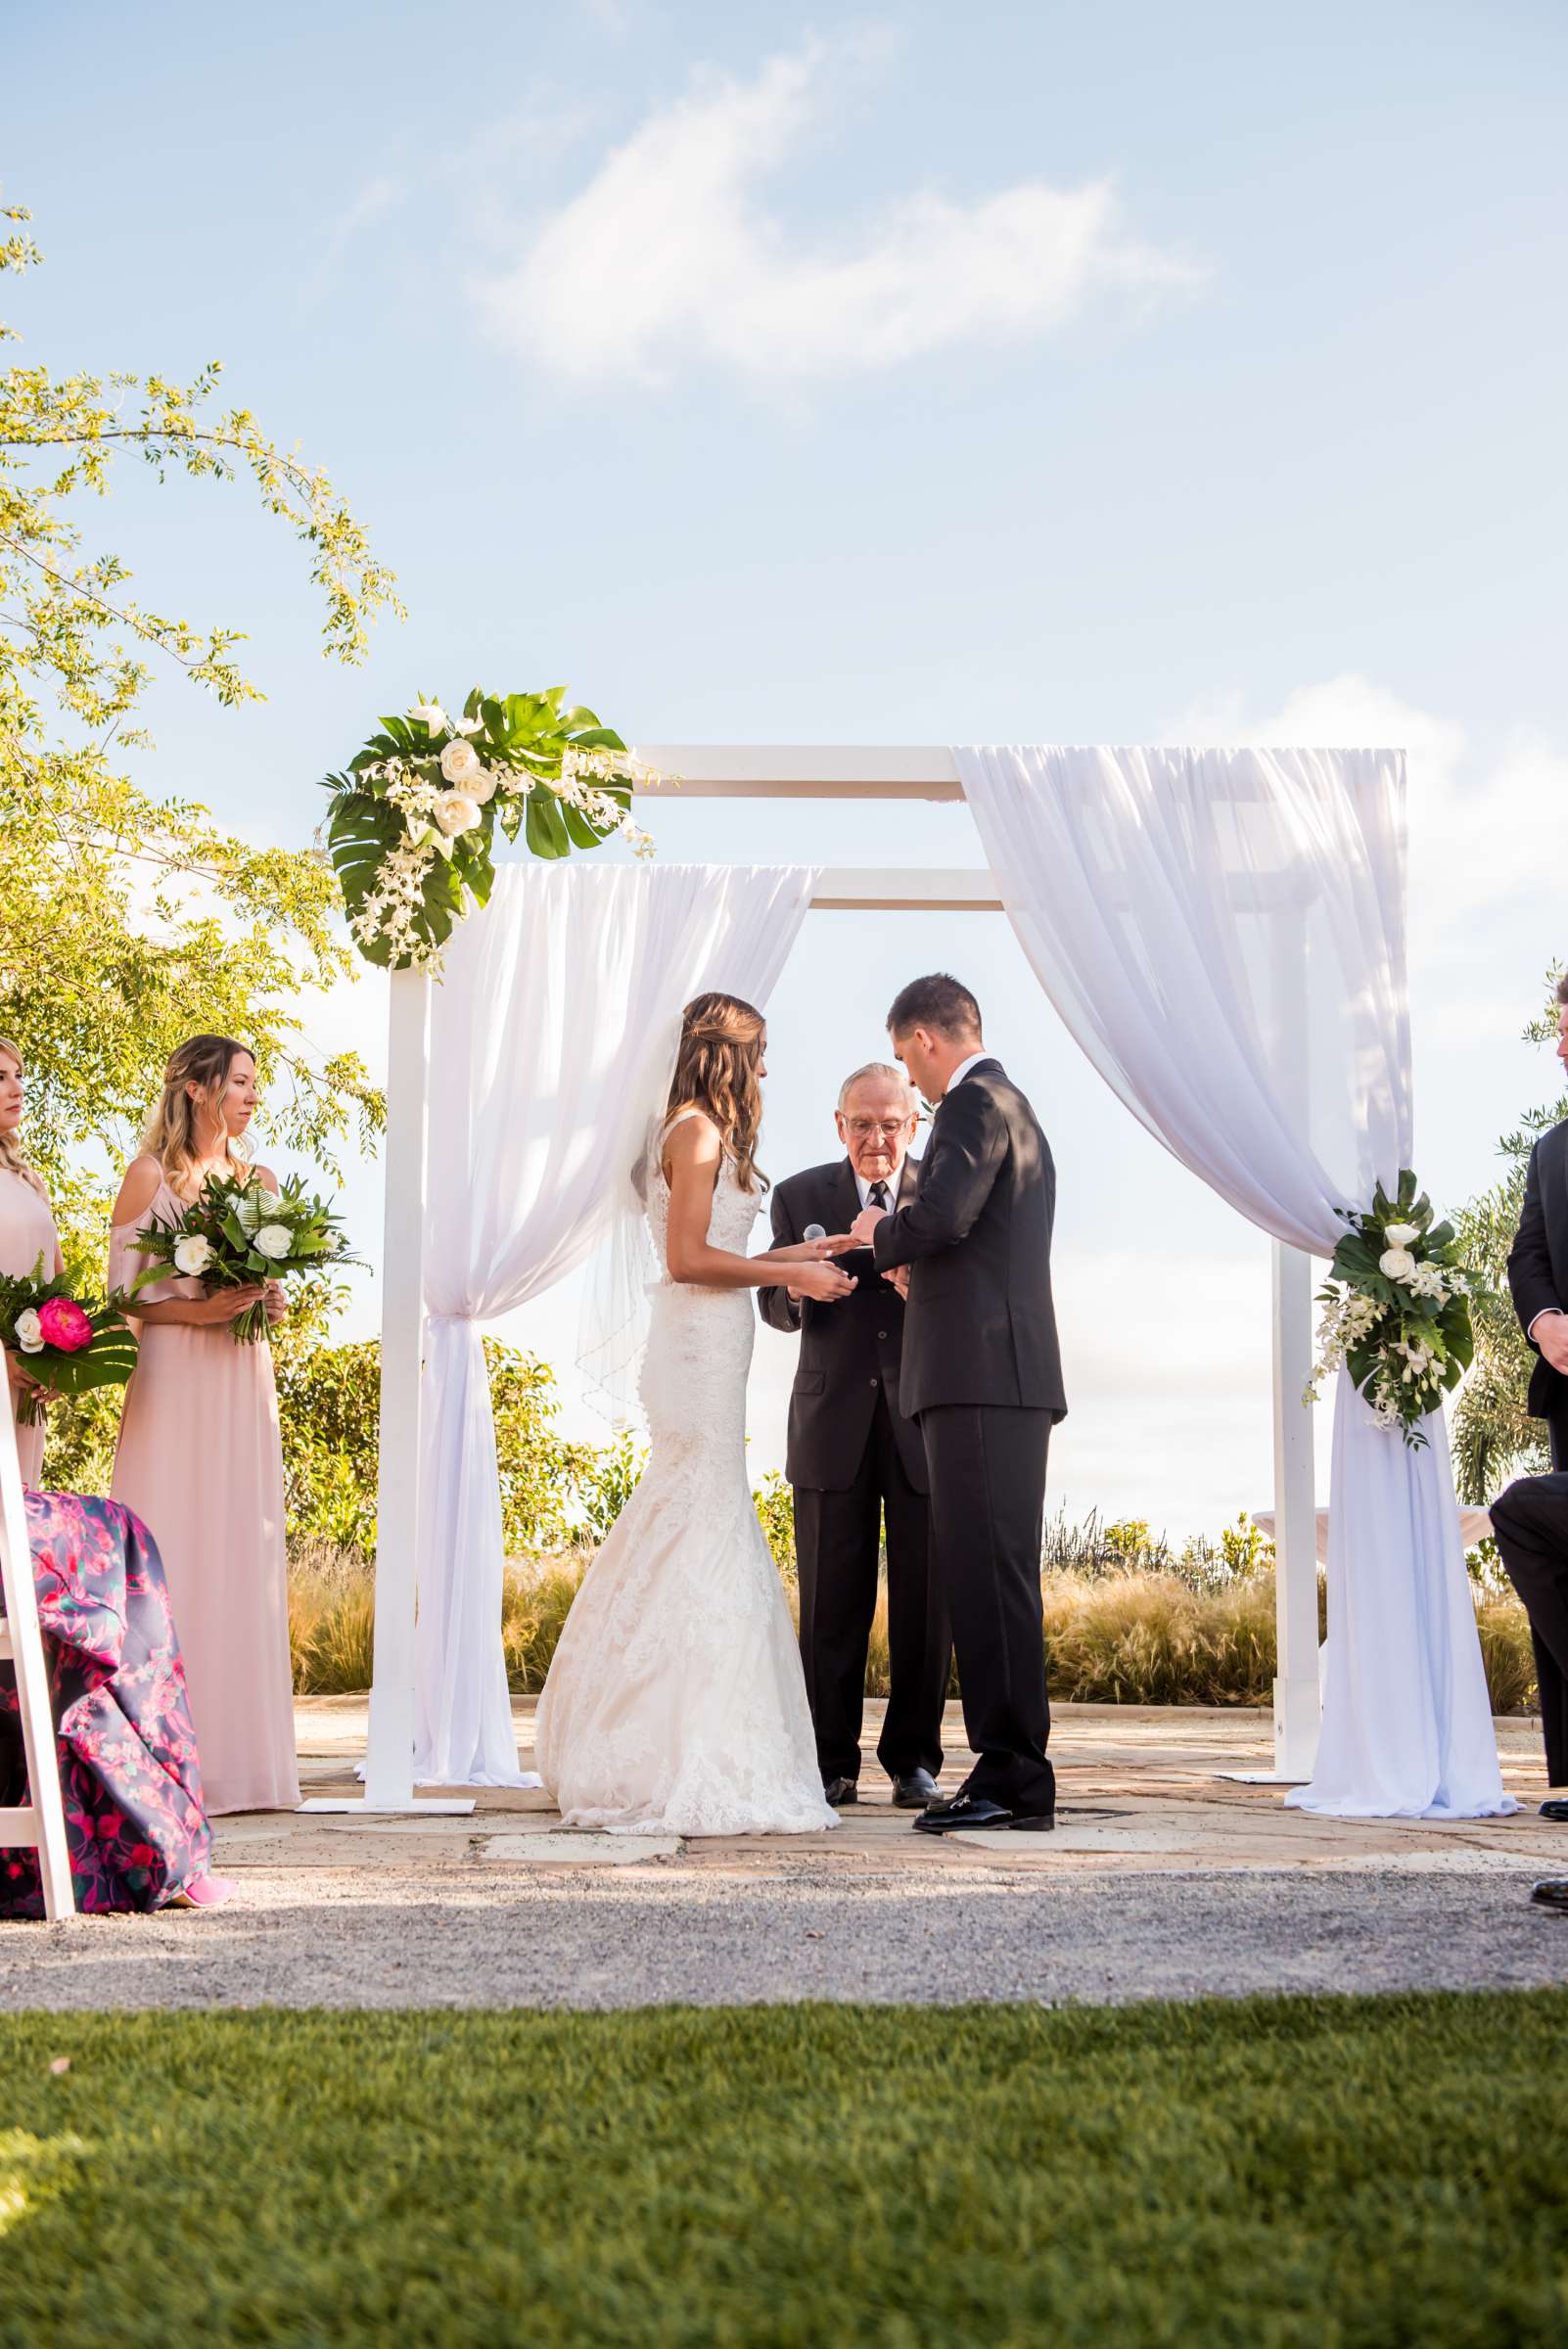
x,y
889,1071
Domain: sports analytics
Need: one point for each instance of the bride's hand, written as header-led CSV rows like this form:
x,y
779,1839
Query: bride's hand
x,y
823,1281
816,1252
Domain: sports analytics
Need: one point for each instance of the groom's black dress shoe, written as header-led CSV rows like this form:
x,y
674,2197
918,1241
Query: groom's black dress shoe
x,y
974,1811
1551,1893
915,1792
839,1791
1556,1809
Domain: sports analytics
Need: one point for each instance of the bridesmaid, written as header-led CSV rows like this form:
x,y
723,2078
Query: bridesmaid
x,y
199,1455
27,1233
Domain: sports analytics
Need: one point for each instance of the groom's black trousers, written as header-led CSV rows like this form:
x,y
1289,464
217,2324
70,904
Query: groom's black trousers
x,y
1530,1524
837,1544
987,1464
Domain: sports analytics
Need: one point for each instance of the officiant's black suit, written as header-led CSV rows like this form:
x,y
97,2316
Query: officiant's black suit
x,y
854,1456
1531,1521
982,1373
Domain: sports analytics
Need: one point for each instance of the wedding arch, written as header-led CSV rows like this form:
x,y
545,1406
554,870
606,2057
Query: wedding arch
x,y
1222,932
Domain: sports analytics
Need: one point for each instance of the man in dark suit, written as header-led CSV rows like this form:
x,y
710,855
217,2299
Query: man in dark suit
x,y
1531,1519
854,1458
982,1375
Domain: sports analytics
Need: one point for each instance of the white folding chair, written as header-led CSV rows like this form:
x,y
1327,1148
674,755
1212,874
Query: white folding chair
x,y
41,1823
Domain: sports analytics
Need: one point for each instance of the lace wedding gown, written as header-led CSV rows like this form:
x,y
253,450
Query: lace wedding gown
x,y
675,1701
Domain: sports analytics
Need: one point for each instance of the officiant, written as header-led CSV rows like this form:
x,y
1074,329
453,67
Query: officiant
x,y
853,1459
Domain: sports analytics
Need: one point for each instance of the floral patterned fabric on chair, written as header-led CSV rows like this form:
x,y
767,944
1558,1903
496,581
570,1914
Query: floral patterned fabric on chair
x,y
132,1784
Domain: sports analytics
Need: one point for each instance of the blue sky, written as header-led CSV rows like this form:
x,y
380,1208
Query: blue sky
x,y
1056,373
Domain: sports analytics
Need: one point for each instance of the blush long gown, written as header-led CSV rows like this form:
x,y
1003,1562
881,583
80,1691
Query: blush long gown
x,y
27,1233
201,1460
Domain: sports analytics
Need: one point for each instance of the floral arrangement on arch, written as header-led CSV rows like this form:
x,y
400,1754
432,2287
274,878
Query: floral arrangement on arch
x,y
1396,1310
412,823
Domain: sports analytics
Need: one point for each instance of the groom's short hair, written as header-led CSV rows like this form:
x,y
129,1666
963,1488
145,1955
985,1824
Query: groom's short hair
x,y
939,1002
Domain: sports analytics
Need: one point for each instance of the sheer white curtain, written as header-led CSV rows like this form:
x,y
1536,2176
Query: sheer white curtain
x,y
555,997
1224,934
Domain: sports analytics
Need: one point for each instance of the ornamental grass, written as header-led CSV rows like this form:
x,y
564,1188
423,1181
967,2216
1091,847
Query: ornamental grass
x,y
1121,1637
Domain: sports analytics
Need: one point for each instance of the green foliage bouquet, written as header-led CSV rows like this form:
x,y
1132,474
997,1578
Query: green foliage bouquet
x,y
412,824
66,1347
237,1233
1396,1310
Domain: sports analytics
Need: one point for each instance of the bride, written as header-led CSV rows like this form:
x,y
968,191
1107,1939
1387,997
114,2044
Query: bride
x,y
675,1701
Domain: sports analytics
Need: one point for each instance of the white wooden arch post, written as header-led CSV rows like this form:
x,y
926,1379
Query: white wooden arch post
x,y
708,770
40,1822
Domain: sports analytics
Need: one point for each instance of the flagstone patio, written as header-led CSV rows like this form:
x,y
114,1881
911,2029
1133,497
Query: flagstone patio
x,y
1164,1878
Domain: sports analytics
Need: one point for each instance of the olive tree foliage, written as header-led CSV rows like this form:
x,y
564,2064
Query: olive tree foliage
x,y
1494,1436
128,920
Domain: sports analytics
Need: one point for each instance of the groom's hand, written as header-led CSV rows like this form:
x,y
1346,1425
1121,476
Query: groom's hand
x,y
1551,1334
899,1278
864,1228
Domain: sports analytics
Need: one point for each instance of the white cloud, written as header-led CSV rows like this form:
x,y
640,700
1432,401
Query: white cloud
x,y
667,255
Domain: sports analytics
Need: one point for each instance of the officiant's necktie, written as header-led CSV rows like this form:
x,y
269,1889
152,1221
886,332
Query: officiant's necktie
x,y
879,1196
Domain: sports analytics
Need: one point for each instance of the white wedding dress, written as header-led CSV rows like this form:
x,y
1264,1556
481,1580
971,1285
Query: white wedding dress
x,y
676,1702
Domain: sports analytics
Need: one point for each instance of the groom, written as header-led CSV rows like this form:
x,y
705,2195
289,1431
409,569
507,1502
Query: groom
x,y
982,1375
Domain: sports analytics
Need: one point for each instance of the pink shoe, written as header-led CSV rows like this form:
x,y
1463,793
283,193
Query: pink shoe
x,y
205,1892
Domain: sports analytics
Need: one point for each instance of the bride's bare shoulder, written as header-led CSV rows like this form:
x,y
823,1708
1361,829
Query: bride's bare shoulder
x,y
691,1141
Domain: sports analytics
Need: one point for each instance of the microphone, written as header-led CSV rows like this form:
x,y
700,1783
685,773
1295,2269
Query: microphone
x,y
813,1231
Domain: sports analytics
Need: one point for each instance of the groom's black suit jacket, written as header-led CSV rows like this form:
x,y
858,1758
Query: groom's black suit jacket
x,y
981,1328
850,1348
1538,1266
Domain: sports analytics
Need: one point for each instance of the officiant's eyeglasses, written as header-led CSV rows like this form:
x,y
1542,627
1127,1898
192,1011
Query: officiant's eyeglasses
x,y
889,1128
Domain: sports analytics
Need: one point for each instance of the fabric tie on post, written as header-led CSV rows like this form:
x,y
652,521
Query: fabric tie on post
x,y
1222,931
555,997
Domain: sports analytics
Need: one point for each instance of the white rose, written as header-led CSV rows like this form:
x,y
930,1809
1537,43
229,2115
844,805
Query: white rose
x,y
1395,1264
29,1331
456,812
432,715
467,725
480,787
460,762
192,1255
1399,1235
274,1240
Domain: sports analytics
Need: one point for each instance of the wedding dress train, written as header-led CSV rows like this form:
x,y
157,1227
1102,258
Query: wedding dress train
x,y
675,1701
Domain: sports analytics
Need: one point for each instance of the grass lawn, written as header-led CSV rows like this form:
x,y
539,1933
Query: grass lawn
x,y
1289,2171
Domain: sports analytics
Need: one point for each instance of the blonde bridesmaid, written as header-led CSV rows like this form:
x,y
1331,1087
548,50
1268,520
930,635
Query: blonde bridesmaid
x,y
27,1233
199,1455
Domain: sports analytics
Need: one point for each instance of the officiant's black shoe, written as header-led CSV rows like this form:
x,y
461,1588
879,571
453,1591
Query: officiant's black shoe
x,y
1551,1893
1556,1809
915,1792
839,1791
974,1811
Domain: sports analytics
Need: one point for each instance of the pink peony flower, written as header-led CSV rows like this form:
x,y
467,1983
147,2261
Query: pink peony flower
x,y
63,1325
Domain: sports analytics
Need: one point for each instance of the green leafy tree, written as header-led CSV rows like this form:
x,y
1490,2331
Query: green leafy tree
x,y
128,920
1494,1436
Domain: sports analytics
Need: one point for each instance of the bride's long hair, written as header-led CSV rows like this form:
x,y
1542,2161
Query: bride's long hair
x,y
716,1072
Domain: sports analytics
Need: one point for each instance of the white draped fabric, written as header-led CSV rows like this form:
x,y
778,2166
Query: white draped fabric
x,y
1224,934
554,1000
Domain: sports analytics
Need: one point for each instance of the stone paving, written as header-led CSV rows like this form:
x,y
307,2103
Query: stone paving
x,y
1164,1879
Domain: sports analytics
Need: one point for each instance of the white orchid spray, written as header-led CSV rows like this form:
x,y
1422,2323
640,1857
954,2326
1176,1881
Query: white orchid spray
x,y
1396,1310
412,824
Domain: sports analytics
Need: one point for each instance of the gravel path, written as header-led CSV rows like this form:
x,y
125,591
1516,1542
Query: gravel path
x,y
651,1937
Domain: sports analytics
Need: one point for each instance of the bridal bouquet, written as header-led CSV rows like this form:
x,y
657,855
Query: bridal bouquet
x,y
66,1344
1398,1309
413,819
237,1233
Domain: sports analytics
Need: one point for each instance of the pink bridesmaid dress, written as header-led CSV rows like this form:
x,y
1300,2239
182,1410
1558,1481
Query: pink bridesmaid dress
x,y
27,1231
200,1461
